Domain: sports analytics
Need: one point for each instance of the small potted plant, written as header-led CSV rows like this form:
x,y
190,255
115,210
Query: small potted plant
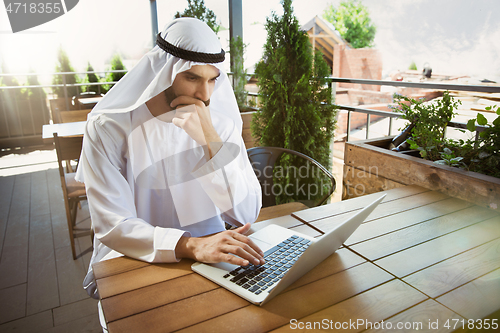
x,y
427,136
467,169
428,122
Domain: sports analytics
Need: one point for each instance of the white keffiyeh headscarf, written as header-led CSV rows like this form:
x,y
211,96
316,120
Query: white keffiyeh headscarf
x,y
156,72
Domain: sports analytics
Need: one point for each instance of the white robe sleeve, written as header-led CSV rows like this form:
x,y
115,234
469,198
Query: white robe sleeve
x,y
230,182
111,201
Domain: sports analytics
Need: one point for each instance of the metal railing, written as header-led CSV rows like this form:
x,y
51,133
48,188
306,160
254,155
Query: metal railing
x,y
333,80
423,85
391,115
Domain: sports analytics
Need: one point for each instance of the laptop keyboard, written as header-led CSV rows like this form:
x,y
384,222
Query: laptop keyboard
x,y
279,259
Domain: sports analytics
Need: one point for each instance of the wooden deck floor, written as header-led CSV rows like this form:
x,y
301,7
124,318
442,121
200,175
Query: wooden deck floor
x,y
40,283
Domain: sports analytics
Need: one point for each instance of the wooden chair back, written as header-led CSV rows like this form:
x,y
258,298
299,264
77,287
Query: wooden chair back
x,y
70,116
74,116
69,148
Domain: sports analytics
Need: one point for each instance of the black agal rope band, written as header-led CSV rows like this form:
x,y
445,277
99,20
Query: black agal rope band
x,y
209,58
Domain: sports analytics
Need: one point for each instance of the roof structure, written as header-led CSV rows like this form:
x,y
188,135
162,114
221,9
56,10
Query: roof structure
x,y
324,37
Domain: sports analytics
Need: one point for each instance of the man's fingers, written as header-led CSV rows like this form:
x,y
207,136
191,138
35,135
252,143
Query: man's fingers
x,y
255,250
182,101
185,110
188,119
229,246
229,258
251,251
247,252
197,106
242,253
178,122
243,229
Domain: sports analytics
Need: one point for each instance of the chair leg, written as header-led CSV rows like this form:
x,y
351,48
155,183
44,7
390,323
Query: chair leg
x,y
69,168
71,222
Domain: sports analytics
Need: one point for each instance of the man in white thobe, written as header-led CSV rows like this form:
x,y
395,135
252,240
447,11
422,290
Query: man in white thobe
x,y
163,159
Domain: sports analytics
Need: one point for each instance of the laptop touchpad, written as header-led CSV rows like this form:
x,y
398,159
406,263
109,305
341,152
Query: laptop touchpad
x,y
264,246
270,236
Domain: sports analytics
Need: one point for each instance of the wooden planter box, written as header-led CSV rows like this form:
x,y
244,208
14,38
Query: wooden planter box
x,y
249,140
370,167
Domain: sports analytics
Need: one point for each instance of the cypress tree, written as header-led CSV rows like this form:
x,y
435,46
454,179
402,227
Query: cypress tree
x,y
64,65
116,65
237,50
37,99
197,9
91,78
296,103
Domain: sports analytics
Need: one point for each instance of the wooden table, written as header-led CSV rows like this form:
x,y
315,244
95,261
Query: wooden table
x,y
421,260
63,129
89,102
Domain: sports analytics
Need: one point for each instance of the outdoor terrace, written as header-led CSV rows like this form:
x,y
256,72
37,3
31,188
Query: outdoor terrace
x,y
40,283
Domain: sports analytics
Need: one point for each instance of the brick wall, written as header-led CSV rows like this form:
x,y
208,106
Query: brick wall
x,y
357,64
362,97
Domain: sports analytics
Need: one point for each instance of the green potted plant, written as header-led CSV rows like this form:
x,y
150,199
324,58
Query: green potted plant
x,y
483,155
427,135
467,169
428,123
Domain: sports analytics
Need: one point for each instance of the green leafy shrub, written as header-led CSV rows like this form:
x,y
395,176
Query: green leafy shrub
x,y
427,136
431,120
352,20
485,153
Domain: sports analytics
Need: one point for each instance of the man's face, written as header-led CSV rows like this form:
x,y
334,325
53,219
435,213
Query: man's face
x,y
197,82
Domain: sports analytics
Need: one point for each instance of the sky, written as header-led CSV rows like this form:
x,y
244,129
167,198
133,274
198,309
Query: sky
x,y
456,37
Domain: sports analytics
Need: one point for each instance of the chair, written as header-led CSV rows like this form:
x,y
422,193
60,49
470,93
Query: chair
x,y
73,116
69,148
264,160
60,116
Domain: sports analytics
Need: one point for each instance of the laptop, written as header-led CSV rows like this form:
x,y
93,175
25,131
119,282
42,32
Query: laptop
x,y
288,255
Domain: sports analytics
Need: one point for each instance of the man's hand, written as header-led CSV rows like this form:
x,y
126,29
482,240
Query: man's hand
x,y
193,116
230,246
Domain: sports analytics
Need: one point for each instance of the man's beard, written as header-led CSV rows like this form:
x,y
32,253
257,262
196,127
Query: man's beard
x,y
170,96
